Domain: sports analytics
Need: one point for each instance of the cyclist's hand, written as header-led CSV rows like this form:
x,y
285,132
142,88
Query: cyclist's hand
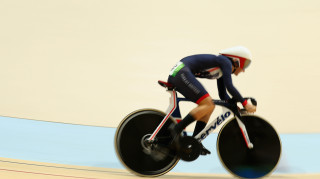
x,y
250,108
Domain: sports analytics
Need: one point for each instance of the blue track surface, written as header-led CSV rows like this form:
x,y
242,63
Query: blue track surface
x,y
94,146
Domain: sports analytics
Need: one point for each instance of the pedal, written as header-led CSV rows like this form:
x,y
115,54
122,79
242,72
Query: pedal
x,y
190,148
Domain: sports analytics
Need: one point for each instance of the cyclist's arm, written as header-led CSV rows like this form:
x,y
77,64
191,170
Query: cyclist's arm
x,y
222,90
227,71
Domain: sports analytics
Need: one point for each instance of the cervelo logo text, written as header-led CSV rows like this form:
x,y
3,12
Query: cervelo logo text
x,y
219,121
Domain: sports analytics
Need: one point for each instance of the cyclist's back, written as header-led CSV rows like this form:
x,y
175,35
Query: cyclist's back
x,y
197,63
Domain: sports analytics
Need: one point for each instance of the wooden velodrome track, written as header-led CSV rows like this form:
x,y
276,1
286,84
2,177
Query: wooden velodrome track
x,y
17,169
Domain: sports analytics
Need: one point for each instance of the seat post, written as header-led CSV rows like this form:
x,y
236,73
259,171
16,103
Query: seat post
x,y
172,101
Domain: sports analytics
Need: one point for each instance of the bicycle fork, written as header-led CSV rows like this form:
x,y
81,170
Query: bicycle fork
x,y
244,133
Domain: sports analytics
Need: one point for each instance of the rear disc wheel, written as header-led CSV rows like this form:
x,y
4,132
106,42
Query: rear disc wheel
x,y
133,150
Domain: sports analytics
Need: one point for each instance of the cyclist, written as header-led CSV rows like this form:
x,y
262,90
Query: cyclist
x,y
183,76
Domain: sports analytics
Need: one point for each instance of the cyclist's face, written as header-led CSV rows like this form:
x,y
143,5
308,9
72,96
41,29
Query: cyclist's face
x,y
238,71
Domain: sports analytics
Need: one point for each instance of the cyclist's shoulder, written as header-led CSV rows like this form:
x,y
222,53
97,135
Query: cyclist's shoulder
x,y
223,59
201,56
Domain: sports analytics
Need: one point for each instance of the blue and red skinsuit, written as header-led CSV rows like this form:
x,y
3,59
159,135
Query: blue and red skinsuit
x,y
186,83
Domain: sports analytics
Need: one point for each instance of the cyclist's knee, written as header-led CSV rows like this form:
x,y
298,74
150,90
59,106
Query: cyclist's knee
x,y
211,107
208,104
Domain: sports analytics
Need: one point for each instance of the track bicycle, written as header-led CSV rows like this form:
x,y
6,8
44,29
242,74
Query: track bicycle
x,y
247,145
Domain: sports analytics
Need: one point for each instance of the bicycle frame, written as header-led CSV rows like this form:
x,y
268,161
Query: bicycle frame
x,y
174,111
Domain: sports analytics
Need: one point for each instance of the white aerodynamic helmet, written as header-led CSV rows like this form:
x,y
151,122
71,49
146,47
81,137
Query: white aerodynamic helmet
x,y
240,53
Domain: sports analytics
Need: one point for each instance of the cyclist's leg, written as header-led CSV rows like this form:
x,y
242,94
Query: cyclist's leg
x,y
201,124
203,111
186,83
